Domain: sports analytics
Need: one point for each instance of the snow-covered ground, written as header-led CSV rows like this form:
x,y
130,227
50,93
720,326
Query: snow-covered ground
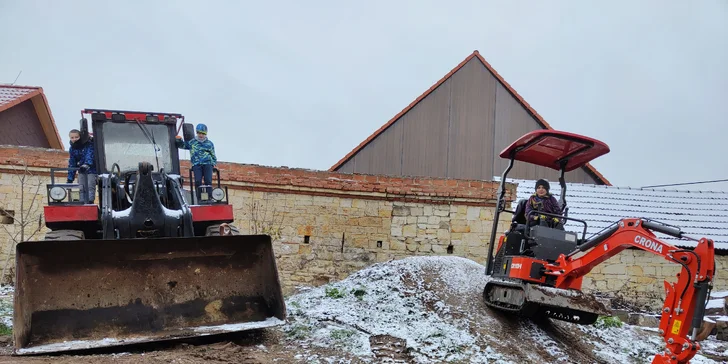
x,y
430,309
434,305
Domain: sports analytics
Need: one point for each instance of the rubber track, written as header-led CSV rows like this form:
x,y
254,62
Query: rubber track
x,y
528,309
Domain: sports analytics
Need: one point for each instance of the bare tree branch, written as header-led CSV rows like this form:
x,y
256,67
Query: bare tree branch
x,y
26,215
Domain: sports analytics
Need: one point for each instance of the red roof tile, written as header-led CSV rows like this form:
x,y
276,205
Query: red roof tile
x,y
11,95
490,68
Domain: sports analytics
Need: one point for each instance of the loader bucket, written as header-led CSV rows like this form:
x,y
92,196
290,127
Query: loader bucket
x,y
83,294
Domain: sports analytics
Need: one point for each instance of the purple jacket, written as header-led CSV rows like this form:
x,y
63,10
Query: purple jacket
x,y
546,204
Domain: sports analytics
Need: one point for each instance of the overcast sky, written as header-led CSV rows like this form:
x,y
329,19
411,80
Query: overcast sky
x,y
301,83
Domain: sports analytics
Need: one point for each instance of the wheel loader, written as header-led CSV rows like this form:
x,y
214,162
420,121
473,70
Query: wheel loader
x,y
150,261
539,264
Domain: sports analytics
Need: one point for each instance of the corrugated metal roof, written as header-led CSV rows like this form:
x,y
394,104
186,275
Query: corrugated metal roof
x,y
9,94
698,213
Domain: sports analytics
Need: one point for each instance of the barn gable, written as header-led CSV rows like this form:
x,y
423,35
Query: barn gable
x,y
456,129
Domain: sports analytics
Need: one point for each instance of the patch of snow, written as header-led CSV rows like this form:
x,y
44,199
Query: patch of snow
x,y
7,295
7,290
269,322
718,303
120,214
176,214
78,344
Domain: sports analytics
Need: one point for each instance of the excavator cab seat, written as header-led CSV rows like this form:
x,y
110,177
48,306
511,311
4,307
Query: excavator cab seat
x,y
518,222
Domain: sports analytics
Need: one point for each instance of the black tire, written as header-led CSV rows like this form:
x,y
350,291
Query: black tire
x,y
214,230
65,235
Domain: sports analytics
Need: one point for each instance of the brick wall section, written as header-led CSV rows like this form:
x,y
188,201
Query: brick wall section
x,y
20,126
274,179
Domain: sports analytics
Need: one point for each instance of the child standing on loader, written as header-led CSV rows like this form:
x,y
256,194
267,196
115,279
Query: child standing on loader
x,y
203,157
81,156
543,201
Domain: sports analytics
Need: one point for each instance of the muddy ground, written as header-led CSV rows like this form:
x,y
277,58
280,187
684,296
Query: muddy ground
x,y
274,346
263,346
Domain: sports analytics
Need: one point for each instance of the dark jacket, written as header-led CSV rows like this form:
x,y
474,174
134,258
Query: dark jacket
x,y
80,154
546,204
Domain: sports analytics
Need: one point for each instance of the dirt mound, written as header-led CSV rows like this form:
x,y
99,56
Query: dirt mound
x,y
413,310
433,307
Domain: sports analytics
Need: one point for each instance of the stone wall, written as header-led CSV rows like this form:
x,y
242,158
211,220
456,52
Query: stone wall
x,y
637,277
328,225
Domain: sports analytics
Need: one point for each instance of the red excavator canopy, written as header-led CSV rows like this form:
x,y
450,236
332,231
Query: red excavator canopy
x,y
548,148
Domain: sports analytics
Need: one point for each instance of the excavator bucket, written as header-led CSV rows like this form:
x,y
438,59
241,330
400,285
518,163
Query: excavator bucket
x,y
83,294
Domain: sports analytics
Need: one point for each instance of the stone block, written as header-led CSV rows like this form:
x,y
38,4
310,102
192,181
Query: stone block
x,y
622,315
399,220
487,214
618,269
304,249
396,231
460,228
409,230
442,213
416,211
635,270
721,327
473,213
288,248
383,257
400,211
644,320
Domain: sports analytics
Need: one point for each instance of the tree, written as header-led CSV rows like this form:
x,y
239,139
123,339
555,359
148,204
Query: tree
x,y
26,220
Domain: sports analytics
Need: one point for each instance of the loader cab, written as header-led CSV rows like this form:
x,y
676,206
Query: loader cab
x,y
553,149
136,154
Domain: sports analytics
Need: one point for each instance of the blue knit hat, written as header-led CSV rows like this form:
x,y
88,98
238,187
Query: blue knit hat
x,y
202,128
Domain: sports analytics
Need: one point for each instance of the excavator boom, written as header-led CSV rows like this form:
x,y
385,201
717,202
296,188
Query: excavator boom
x,y
684,306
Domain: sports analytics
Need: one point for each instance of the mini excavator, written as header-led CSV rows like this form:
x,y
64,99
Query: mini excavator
x,y
538,266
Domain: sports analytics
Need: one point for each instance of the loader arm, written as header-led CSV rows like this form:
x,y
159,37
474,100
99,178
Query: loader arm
x,y
684,307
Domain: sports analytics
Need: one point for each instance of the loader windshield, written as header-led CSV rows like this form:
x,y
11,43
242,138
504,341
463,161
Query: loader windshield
x,y
127,144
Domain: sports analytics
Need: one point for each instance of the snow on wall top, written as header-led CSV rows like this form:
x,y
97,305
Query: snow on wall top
x,y
697,213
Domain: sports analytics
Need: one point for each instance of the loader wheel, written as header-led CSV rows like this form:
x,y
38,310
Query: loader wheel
x,y
214,230
65,235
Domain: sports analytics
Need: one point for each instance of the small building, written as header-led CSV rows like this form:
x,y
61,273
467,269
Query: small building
x,y
457,129
26,118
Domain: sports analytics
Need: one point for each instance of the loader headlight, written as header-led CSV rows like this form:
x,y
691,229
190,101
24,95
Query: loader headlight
x,y
218,194
58,193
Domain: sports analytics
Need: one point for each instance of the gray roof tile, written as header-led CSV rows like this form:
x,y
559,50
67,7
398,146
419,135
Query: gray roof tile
x,y
697,213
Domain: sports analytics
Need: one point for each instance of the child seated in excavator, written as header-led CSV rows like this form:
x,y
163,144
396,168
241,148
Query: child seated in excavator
x,y
543,201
